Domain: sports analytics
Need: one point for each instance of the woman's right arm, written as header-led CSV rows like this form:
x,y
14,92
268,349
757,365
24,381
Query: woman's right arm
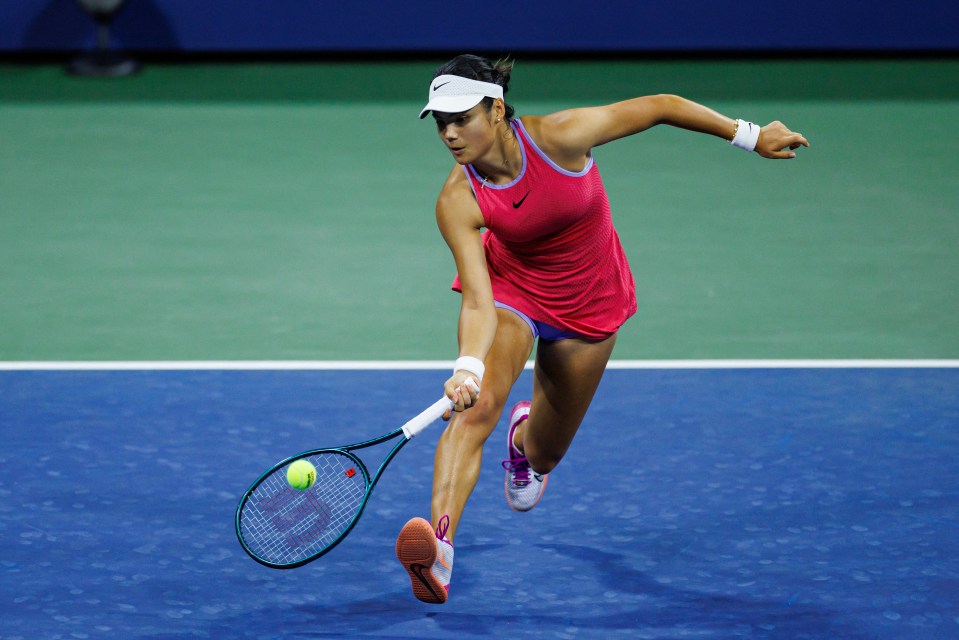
x,y
460,220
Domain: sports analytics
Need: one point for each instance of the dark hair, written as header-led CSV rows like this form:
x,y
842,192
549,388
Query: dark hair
x,y
482,69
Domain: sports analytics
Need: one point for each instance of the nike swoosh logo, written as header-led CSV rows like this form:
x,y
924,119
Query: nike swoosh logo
x,y
417,570
517,205
436,87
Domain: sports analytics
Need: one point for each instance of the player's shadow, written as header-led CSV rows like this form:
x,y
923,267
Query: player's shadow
x,y
663,608
669,607
61,25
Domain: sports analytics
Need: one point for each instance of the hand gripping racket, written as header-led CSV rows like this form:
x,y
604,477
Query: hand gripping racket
x,y
282,527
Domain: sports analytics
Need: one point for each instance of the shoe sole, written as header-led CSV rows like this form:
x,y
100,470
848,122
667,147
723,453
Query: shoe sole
x,y
416,550
514,422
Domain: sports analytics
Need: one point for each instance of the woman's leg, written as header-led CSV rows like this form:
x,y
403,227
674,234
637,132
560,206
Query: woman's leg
x,y
460,449
565,379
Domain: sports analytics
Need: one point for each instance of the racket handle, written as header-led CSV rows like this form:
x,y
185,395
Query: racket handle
x,y
430,415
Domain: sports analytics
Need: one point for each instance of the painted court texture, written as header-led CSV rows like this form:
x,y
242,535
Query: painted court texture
x,y
284,213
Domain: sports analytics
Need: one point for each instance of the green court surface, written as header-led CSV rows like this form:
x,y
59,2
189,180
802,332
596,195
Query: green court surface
x,y
285,211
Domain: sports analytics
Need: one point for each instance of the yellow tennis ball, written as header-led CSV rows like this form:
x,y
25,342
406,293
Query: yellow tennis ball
x,y
301,475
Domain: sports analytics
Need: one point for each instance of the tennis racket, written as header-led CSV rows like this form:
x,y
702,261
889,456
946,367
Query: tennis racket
x,y
282,527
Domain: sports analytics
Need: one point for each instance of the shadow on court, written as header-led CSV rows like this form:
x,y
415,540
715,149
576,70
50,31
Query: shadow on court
x,y
694,504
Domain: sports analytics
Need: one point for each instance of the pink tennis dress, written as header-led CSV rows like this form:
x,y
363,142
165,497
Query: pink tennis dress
x,y
551,248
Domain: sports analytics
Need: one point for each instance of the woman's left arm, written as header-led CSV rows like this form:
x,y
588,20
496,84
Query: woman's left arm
x,y
578,130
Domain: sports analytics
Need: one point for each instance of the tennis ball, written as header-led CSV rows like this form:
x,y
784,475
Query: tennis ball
x,y
301,475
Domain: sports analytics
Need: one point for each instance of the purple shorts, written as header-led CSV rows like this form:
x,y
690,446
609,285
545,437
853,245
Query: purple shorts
x,y
540,330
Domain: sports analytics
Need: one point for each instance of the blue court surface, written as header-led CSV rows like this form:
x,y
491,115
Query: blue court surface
x,y
695,503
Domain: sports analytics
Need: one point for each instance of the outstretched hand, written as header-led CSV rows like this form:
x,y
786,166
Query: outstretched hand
x,y
777,142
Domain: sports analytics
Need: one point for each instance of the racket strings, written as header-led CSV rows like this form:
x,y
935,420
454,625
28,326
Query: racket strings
x,y
283,526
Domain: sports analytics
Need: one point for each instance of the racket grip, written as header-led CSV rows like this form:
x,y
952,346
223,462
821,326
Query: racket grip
x,y
430,415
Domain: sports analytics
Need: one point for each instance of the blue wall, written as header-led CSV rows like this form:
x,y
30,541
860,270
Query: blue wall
x,y
492,26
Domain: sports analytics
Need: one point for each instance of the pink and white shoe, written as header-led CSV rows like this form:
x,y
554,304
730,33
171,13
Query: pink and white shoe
x,y
524,488
427,557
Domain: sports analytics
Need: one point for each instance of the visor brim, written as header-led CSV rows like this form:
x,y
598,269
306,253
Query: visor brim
x,y
451,104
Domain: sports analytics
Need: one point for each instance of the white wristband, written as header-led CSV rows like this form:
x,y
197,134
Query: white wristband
x,y
747,135
471,364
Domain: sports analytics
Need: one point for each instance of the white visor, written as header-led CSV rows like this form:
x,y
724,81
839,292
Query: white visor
x,y
455,94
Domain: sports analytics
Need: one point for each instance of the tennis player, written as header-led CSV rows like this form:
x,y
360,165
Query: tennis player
x,y
549,267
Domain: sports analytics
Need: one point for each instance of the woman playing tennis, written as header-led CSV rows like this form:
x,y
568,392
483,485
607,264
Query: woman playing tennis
x,y
549,267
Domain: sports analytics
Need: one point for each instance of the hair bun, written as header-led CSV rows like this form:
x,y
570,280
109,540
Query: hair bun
x,y
502,71
482,69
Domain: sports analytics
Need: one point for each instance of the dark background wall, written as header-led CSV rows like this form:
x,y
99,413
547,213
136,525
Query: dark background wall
x,y
613,26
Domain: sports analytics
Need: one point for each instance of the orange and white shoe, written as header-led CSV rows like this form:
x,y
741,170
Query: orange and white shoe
x,y
428,557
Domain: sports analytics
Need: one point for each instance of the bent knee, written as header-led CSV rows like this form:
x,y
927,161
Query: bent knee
x,y
479,419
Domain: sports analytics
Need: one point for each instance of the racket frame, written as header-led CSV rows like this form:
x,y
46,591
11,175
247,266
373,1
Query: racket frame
x,y
408,431
346,450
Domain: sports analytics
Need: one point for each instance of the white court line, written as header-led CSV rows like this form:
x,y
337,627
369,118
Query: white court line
x,y
408,365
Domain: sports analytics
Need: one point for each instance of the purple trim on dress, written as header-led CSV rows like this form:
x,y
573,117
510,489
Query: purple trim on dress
x,y
469,182
539,152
